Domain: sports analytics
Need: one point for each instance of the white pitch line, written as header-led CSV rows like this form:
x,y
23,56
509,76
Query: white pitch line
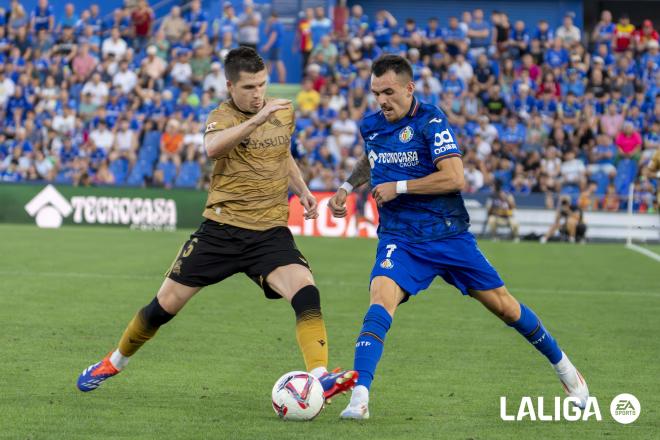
x,y
364,285
78,275
643,251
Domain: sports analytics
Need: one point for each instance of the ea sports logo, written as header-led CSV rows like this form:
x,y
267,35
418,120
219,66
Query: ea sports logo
x,y
406,134
625,408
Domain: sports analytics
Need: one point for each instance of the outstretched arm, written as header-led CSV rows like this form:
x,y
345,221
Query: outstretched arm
x,y
447,180
220,142
296,182
361,172
299,188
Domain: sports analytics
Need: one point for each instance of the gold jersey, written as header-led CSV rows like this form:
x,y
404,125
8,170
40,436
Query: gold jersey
x,y
654,165
249,185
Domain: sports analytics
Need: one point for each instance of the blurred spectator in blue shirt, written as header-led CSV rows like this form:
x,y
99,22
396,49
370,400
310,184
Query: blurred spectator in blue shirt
x,y
320,26
382,27
479,33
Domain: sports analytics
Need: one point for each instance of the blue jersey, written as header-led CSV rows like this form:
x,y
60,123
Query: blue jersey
x,y
410,149
382,32
556,58
319,29
226,25
41,18
278,29
606,34
196,20
355,25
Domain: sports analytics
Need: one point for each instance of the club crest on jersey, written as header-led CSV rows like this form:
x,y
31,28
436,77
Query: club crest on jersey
x,y
406,134
211,126
386,264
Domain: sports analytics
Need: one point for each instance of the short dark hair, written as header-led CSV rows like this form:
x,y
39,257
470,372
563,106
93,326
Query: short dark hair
x,y
242,59
395,63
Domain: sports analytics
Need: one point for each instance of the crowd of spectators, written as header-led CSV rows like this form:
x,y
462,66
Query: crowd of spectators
x,y
122,99
536,108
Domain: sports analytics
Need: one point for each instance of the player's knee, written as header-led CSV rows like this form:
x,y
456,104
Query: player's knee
x,y
306,301
509,308
172,296
386,293
289,280
510,312
154,314
501,303
491,222
305,279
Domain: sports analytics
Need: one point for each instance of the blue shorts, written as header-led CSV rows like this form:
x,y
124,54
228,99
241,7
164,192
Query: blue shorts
x,y
274,54
457,259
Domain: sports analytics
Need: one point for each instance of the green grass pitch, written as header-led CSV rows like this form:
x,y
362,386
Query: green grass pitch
x,y
66,296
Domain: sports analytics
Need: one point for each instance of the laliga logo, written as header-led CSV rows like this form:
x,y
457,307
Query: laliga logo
x,y
567,409
625,409
50,208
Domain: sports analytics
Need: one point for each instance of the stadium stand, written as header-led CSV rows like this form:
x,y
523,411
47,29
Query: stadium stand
x,y
121,99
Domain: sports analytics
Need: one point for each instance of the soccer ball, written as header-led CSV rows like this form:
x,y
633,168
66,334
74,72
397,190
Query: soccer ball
x,y
298,396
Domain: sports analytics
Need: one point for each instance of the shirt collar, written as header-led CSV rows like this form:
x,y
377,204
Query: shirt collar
x,y
413,108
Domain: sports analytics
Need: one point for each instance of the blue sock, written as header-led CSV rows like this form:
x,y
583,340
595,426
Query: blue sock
x,y
529,325
369,345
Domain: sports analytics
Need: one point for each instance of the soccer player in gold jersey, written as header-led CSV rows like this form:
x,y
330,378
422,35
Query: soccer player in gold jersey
x,y
652,171
245,227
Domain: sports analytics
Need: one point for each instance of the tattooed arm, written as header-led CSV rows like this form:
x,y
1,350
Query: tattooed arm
x,y
360,175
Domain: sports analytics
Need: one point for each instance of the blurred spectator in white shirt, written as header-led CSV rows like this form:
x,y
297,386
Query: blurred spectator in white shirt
x,y
216,81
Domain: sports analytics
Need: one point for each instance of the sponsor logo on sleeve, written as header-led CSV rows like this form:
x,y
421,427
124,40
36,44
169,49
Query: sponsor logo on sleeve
x,y
444,142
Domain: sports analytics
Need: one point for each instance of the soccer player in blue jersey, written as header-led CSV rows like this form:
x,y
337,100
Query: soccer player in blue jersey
x,y
416,171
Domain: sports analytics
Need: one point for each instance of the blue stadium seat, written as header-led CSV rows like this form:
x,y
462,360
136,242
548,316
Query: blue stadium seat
x,y
140,170
119,169
150,148
169,171
152,139
626,170
189,175
602,180
64,177
135,178
571,190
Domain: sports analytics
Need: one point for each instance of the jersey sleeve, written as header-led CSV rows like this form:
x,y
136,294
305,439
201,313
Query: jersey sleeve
x,y
219,119
654,166
361,133
440,137
293,121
